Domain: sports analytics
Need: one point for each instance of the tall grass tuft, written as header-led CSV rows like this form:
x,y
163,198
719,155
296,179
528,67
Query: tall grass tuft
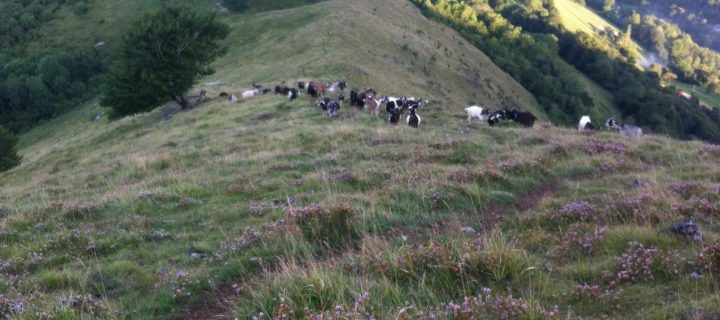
x,y
332,227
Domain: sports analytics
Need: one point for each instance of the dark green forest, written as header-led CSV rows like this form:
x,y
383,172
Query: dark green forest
x,y
37,86
525,39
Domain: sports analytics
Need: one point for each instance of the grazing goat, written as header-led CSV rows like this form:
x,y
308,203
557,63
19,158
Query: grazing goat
x,y
353,97
394,117
323,104
413,119
293,94
333,109
586,124
393,103
498,116
301,85
624,129
475,112
526,119
317,88
311,91
250,93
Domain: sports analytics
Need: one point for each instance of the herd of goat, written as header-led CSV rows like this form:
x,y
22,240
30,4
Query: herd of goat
x,y
397,107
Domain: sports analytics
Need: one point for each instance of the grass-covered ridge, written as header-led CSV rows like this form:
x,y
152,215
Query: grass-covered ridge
x,y
211,204
228,210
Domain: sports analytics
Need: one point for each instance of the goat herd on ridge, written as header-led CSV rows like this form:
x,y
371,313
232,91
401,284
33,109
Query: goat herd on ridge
x,y
398,107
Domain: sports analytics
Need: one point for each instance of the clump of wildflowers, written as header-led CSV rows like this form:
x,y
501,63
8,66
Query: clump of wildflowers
x,y
582,237
596,147
635,264
709,256
579,210
587,291
181,285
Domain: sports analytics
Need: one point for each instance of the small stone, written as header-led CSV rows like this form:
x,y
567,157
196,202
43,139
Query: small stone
x,y
467,230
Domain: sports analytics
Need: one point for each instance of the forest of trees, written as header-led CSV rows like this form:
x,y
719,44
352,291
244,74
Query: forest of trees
x,y
499,28
35,86
671,30
699,18
531,60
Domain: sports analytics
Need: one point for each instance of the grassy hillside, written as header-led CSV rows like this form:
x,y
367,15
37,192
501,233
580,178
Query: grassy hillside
x,y
578,18
710,100
267,206
192,217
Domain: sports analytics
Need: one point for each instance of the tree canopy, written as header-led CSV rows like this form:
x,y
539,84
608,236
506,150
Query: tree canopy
x,y
161,57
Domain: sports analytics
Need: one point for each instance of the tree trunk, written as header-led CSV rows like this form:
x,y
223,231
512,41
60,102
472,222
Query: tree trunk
x,y
183,102
186,104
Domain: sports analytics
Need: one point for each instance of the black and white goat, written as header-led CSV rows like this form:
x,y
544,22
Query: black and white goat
x,y
586,124
476,112
413,119
624,129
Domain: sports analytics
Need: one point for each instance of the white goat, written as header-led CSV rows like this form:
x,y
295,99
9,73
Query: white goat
x,y
584,121
475,112
250,93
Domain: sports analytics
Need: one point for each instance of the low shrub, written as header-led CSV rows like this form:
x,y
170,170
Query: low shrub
x,y
334,227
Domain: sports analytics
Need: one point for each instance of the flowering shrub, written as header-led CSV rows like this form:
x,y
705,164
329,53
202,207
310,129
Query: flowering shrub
x,y
684,187
644,207
697,207
579,210
483,306
582,237
670,264
181,285
710,256
229,247
498,306
613,166
332,227
596,147
10,307
587,291
518,166
86,303
261,208
635,264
